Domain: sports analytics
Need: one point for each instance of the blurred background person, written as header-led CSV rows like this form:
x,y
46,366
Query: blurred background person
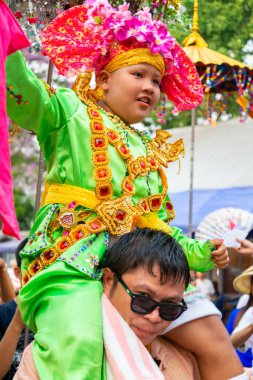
x,y
12,336
7,291
204,285
240,322
246,248
14,279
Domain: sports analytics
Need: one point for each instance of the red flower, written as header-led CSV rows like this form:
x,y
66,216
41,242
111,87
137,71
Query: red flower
x,y
18,15
32,20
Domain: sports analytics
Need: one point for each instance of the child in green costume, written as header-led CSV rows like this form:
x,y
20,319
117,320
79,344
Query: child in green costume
x,y
103,176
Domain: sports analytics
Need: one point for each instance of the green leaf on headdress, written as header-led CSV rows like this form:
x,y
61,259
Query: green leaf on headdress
x,y
97,19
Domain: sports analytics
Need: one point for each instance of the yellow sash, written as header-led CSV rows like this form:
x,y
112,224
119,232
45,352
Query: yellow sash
x,y
65,194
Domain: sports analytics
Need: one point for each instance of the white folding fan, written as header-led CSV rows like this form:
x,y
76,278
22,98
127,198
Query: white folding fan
x,y
225,223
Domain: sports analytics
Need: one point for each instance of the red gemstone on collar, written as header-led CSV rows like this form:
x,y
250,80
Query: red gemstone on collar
x,y
123,149
104,191
95,225
169,206
100,158
142,164
102,173
121,215
112,135
155,202
99,143
36,267
64,244
25,280
79,234
94,113
128,186
144,205
98,127
152,162
49,255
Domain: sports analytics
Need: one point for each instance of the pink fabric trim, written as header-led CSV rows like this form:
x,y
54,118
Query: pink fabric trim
x,y
126,356
12,38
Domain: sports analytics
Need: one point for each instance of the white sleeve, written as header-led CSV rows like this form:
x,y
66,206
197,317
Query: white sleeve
x,y
242,301
210,287
246,320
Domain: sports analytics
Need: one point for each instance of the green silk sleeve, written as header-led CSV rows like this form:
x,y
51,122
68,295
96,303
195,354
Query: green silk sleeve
x,y
31,104
199,254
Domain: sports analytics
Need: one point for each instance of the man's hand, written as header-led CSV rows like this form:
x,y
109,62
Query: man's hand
x,y
246,247
220,255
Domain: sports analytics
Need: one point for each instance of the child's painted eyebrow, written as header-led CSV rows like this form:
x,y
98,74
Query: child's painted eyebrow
x,y
144,69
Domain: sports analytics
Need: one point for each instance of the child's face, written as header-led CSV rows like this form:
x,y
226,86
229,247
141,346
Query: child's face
x,y
132,92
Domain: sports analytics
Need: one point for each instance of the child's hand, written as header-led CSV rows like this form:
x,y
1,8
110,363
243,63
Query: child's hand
x,y
220,255
246,247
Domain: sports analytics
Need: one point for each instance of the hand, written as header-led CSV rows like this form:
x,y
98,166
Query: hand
x,y
220,255
2,264
246,247
17,320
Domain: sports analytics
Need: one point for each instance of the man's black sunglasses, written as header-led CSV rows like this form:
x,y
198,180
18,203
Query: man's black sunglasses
x,y
142,304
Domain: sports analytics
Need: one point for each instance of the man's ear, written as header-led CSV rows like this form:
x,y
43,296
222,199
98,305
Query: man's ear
x,y
103,79
108,277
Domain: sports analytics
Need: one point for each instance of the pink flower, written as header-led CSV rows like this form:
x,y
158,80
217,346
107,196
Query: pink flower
x,y
145,15
123,10
162,42
99,10
18,15
132,28
175,111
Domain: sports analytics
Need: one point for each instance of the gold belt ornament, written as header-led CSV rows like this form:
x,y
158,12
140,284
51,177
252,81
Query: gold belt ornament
x,y
117,216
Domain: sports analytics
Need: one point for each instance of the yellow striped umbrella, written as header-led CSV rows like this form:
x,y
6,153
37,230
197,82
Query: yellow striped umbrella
x,y
196,48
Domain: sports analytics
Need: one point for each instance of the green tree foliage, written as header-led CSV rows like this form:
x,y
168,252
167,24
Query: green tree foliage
x,y
24,206
226,25
24,157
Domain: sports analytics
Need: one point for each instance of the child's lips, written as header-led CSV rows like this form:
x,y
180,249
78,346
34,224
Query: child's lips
x,y
144,102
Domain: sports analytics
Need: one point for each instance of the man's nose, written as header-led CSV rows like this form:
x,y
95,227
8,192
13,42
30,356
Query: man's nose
x,y
154,317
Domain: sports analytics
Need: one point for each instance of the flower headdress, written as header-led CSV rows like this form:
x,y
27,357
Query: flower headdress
x,y
88,37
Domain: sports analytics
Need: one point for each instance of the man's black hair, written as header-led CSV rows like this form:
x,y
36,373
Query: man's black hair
x,y
143,248
18,249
